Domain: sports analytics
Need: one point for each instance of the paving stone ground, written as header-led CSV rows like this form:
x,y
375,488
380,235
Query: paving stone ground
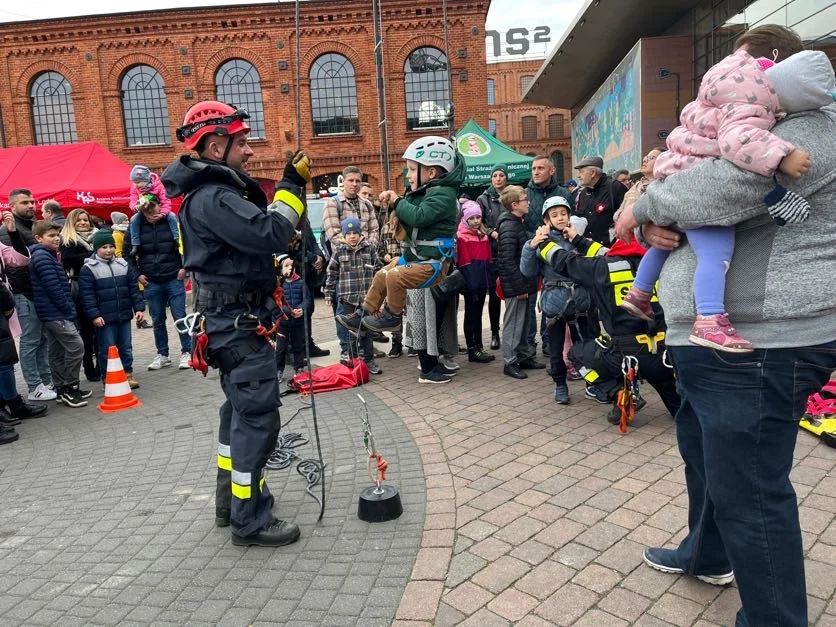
x,y
516,511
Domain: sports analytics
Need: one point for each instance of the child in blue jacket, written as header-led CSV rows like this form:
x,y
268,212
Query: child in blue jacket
x,y
292,331
56,310
110,297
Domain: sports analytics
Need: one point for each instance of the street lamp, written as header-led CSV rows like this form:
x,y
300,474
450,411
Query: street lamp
x,y
662,74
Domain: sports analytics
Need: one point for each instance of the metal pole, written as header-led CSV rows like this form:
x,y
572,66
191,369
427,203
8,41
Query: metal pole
x,y
382,124
298,87
451,115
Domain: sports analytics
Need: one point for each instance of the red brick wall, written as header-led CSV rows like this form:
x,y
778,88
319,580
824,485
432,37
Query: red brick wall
x,y
508,112
94,52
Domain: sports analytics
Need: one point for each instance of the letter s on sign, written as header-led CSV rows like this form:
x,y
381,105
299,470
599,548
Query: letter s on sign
x,y
517,37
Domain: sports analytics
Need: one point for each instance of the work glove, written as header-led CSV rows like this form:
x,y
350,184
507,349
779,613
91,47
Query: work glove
x,y
297,170
786,206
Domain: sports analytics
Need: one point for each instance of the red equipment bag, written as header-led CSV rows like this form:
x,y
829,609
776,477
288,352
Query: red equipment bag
x,y
329,378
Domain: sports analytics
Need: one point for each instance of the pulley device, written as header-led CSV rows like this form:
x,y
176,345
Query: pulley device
x,y
379,502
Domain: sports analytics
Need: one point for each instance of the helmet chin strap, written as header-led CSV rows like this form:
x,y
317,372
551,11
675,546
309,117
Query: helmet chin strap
x,y
227,149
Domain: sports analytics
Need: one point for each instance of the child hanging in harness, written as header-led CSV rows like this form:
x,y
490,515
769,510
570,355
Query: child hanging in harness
x,y
427,217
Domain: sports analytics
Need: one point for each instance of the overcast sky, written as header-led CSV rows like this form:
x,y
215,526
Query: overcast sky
x,y
503,14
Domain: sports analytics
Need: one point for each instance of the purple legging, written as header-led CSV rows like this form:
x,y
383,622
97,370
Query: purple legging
x,y
714,247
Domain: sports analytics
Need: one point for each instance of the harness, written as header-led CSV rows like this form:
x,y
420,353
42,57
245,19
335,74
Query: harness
x,y
446,247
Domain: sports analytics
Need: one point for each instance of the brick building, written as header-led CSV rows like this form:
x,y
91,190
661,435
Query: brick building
x,y
127,80
527,128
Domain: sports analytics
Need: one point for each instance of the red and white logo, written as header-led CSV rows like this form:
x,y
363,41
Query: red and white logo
x,y
600,208
85,197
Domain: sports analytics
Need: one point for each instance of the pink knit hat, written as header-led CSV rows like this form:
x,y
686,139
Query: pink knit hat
x,y
470,209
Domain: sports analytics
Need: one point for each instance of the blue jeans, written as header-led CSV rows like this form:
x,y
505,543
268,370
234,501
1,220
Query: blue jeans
x,y
352,344
8,387
172,294
736,430
34,347
116,334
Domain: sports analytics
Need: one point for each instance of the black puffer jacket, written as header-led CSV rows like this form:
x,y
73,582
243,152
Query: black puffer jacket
x,y
19,279
512,238
158,255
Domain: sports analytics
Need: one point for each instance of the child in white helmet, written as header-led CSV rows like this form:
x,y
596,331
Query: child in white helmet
x,y
427,215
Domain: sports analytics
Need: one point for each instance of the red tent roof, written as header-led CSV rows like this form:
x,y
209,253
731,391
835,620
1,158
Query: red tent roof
x,y
83,175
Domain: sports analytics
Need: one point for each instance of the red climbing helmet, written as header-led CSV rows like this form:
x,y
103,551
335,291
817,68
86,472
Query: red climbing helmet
x,y
211,116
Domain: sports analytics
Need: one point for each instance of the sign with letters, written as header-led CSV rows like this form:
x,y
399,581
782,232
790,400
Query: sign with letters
x,y
517,42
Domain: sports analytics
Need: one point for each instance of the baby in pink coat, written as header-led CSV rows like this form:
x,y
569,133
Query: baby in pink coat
x,y
738,102
146,184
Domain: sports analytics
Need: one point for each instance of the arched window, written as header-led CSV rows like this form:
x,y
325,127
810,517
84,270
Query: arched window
x,y
237,82
557,160
53,116
333,95
427,88
144,107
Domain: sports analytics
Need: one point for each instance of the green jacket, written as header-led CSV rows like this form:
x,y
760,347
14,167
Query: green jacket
x,y
430,212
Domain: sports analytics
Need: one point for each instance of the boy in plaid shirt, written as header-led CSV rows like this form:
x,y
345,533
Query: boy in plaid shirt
x,y
348,278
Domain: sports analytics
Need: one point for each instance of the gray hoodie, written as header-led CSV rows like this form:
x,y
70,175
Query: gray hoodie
x,y
780,286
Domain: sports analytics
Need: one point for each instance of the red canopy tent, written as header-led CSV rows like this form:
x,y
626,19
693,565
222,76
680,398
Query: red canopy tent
x,y
85,175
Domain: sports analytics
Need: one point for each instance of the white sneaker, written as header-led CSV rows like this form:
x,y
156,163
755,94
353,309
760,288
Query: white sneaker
x,y
42,394
160,361
184,361
448,362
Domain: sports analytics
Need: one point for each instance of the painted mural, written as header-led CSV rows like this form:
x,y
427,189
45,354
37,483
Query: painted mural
x,y
609,124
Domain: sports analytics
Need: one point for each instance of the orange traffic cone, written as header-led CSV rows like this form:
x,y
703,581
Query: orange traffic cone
x,y
118,395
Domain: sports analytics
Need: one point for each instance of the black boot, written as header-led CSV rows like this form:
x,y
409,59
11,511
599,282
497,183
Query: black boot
x,y
8,435
22,410
315,351
6,420
276,533
495,343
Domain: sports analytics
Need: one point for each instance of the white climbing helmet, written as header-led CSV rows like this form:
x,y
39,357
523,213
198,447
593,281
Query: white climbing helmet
x,y
432,150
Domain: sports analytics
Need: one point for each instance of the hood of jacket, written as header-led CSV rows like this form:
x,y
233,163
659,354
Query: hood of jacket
x,y
187,174
35,247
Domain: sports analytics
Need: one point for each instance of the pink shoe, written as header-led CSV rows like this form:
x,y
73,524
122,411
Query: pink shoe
x,y
638,304
717,332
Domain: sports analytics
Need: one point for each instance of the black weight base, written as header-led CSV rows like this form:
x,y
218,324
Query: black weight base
x,y
379,507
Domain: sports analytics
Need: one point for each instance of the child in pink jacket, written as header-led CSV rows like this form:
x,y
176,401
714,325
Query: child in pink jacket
x,y
737,105
144,182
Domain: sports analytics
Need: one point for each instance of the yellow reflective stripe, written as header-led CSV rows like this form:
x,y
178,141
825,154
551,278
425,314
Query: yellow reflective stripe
x,y
261,485
290,199
594,247
224,463
621,276
590,376
547,251
241,491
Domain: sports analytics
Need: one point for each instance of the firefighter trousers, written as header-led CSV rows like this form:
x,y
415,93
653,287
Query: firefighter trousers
x,y
249,419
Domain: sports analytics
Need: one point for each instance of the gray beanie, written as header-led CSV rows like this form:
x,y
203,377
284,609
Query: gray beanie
x,y
117,217
803,82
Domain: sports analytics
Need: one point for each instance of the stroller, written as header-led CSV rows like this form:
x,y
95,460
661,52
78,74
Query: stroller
x,y
820,417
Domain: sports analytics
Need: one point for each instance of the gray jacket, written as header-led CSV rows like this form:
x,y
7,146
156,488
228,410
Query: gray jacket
x,y
780,286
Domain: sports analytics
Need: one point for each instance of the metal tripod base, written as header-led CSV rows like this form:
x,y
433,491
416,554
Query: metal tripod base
x,y
379,504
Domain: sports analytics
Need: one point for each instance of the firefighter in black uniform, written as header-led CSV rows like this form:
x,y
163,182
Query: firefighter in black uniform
x,y
229,238
608,274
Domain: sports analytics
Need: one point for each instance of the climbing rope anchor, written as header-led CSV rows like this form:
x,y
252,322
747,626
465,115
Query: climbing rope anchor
x,y
381,501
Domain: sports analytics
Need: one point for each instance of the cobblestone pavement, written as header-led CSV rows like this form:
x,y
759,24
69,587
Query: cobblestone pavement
x,y
516,511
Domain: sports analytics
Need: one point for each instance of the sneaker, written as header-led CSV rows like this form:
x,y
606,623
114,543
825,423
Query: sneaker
x,y
143,325
665,560
637,303
41,394
411,352
380,338
71,398
185,358
572,374
479,356
448,362
351,321
546,351
82,394
388,321
396,350
561,393
495,342
530,363
132,382
378,354
433,376
596,394
344,357
373,366
160,361
717,332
